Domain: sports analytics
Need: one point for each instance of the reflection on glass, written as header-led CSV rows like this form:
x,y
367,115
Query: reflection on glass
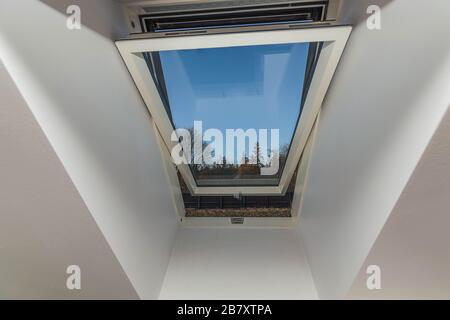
x,y
247,87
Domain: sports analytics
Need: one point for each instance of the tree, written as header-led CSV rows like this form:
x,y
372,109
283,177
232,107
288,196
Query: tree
x,y
197,160
257,157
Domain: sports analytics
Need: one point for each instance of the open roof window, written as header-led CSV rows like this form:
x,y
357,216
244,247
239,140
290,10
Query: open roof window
x,y
247,87
265,87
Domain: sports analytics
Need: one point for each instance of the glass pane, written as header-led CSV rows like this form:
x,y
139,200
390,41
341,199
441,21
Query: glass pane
x,y
249,87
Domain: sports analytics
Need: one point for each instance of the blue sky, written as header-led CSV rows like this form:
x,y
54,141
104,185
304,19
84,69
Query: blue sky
x,y
245,87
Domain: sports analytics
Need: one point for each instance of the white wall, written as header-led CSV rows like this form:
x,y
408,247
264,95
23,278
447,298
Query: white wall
x,y
413,249
81,94
44,224
209,263
387,98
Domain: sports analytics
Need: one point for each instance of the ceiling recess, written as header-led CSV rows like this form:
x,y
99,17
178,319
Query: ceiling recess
x,y
230,15
151,17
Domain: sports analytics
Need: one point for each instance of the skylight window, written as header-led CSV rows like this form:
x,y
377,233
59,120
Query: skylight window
x,y
245,87
267,86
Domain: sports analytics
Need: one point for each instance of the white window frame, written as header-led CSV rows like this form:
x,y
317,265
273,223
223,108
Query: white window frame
x,y
333,38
